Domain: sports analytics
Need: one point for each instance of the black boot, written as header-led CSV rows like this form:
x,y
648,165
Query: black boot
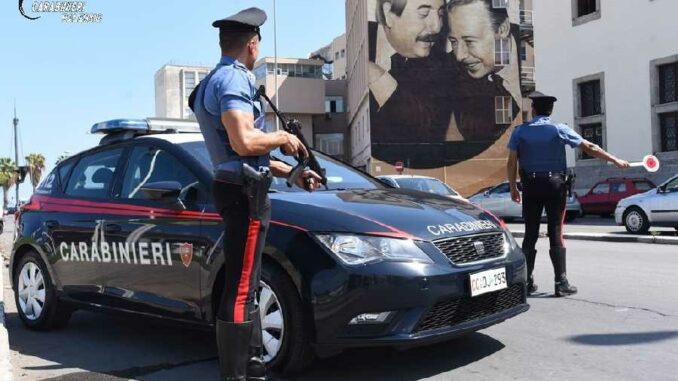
x,y
530,256
233,342
256,367
562,286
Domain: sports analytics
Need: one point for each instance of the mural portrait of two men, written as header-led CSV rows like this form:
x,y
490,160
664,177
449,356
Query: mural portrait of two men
x,y
444,80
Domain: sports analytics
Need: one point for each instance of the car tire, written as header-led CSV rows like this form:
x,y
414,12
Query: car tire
x,y
295,353
636,221
31,284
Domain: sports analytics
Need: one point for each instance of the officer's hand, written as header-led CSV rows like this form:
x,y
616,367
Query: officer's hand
x,y
293,146
515,195
622,164
309,180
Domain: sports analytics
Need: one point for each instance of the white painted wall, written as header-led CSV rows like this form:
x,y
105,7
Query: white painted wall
x,y
621,44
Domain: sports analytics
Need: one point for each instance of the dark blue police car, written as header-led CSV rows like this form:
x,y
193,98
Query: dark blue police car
x,y
129,226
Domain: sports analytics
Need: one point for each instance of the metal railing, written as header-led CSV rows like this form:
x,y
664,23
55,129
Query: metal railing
x,y
526,19
527,75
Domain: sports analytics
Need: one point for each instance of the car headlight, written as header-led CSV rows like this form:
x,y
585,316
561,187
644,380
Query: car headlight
x,y
353,249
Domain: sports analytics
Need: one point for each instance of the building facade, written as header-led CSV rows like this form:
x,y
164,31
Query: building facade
x,y
423,93
334,55
173,85
614,68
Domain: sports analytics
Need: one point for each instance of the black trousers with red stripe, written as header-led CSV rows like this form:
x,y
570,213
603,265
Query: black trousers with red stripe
x,y
243,242
540,193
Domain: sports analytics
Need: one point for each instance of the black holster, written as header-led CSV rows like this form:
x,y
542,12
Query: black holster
x,y
570,178
256,184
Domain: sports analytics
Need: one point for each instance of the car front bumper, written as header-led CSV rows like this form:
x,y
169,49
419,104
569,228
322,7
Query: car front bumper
x,y
619,215
427,303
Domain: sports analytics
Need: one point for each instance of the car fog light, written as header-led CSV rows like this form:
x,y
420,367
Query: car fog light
x,y
371,318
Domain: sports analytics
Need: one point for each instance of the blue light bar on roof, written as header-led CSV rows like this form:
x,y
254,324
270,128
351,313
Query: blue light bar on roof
x,y
145,126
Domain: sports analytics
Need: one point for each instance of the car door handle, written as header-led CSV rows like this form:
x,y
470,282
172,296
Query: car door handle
x,y
112,228
52,224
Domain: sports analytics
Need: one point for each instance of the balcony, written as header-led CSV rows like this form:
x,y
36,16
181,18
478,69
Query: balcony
x,y
527,26
527,82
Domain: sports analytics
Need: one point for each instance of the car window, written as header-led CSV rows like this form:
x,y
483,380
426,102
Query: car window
x,y
601,189
93,176
618,188
47,184
151,165
643,186
426,185
389,181
503,188
64,169
672,186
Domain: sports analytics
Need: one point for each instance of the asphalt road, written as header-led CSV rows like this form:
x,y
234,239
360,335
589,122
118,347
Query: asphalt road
x,y
594,224
623,325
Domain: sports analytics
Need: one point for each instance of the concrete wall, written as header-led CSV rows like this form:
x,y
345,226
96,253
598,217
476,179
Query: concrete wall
x,y
297,95
621,43
168,92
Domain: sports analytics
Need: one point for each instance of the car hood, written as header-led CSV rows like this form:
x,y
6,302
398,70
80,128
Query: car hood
x,y
387,212
638,197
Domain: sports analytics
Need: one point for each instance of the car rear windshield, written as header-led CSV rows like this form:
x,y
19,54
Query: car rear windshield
x,y
339,175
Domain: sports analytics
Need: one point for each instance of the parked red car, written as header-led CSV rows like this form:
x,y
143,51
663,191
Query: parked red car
x,y
602,199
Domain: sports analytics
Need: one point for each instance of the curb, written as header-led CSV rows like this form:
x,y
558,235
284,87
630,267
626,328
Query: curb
x,y
609,238
5,365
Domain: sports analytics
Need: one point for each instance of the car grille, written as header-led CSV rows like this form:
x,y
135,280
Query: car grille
x,y
462,250
456,311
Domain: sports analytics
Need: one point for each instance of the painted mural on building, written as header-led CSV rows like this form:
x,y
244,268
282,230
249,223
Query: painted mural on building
x,y
444,82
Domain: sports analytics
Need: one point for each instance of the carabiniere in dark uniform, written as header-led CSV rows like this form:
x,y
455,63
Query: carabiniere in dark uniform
x,y
539,146
232,122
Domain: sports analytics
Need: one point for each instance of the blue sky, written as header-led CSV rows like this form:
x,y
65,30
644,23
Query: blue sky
x,y
66,77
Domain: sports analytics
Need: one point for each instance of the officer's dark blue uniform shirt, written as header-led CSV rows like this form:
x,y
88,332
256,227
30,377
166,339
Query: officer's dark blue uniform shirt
x,y
540,144
230,86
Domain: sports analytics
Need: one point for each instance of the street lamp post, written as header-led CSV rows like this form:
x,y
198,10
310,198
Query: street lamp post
x,y
275,64
16,152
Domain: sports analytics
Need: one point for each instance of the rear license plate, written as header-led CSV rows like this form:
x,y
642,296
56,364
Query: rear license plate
x,y
488,281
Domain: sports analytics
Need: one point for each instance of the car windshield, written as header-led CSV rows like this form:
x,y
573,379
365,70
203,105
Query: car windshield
x,y
340,176
426,185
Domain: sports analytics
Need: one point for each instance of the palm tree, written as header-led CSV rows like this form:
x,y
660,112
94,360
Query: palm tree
x,y
36,164
7,178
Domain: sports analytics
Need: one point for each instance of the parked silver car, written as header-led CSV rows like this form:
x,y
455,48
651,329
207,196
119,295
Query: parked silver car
x,y
657,207
421,183
498,201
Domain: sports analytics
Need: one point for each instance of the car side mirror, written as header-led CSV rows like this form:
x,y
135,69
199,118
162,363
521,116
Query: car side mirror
x,y
487,194
661,189
164,191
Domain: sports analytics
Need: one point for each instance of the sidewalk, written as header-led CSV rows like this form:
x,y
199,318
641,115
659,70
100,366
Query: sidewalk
x,y
5,247
602,229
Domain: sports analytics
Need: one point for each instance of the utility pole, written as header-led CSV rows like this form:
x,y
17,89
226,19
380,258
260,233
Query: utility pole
x,y
16,151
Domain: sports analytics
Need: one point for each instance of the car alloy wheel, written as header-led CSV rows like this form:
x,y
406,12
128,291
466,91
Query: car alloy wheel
x,y
272,321
31,289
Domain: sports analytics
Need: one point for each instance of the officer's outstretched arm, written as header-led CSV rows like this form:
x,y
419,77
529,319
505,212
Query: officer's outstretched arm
x,y
594,150
247,140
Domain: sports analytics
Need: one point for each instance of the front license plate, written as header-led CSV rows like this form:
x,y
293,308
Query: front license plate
x,y
488,281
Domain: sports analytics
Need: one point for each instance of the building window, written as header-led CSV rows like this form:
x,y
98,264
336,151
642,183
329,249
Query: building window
x,y
503,110
523,51
343,53
668,83
592,133
336,55
330,144
590,98
502,51
589,104
586,7
334,104
499,3
669,131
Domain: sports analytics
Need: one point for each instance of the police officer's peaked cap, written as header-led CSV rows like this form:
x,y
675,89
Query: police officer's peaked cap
x,y
248,20
540,97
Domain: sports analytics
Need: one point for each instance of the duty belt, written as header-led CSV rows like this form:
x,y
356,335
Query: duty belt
x,y
544,175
